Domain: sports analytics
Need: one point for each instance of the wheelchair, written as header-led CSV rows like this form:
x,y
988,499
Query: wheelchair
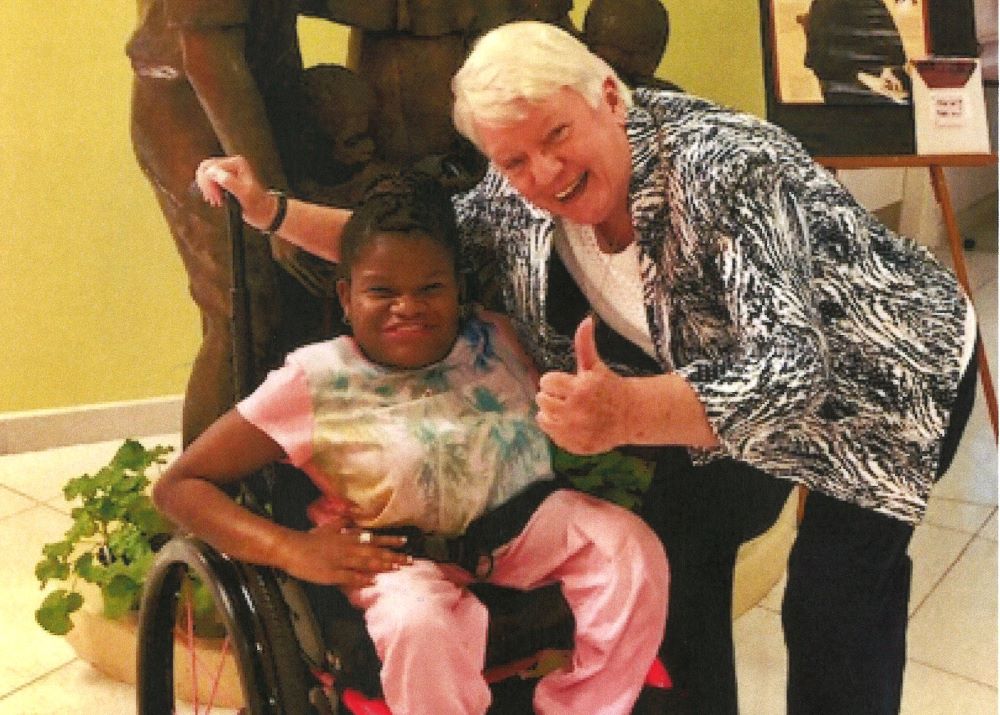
x,y
300,648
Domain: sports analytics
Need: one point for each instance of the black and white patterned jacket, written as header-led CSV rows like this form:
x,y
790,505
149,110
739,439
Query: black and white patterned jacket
x,y
824,347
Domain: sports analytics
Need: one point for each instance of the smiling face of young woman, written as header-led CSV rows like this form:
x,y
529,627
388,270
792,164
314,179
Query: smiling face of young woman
x,y
402,300
568,157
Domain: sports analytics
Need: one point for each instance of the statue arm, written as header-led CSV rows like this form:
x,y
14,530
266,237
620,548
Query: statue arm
x,y
216,67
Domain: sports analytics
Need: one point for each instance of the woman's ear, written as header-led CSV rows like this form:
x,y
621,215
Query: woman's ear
x,y
613,98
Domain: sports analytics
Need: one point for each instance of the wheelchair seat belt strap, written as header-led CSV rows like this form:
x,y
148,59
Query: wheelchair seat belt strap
x,y
473,550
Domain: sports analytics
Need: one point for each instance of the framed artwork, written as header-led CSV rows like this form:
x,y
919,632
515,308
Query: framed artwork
x,y
846,51
836,71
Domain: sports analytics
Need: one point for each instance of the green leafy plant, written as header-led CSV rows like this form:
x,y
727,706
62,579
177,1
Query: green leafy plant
x,y
614,476
115,532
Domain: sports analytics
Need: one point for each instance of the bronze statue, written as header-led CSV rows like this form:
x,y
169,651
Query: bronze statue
x,y
342,161
409,49
631,36
214,77
226,77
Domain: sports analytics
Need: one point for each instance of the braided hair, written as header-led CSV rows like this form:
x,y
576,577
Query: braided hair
x,y
409,204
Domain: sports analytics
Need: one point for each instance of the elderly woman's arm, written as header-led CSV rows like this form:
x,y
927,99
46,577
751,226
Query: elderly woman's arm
x,y
595,409
759,394
747,400
312,227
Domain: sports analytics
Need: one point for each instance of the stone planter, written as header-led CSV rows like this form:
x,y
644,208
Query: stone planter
x,y
109,645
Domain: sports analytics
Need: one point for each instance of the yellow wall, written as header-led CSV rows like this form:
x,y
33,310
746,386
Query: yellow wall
x,y
93,301
92,296
715,51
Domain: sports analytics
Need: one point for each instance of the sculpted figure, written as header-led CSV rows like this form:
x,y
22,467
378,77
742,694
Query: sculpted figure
x,y
342,161
409,49
490,14
631,36
217,77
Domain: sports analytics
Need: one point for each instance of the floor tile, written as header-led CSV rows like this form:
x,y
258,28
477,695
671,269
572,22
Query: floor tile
x,y
989,531
73,689
78,689
957,515
961,612
37,652
187,709
11,502
933,550
10,681
986,309
772,601
973,473
41,475
928,691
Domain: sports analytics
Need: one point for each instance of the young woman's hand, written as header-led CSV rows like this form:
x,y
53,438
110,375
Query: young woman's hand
x,y
335,555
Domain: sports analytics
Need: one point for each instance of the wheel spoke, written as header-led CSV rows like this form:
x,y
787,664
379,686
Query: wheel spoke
x,y
189,616
184,632
242,657
218,674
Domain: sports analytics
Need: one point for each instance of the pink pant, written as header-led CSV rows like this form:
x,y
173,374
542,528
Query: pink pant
x,y
430,632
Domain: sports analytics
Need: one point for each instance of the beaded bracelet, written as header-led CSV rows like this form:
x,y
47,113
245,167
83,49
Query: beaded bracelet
x,y
279,216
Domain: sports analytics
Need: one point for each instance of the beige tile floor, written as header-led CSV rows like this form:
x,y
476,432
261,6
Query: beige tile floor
x,y
953,630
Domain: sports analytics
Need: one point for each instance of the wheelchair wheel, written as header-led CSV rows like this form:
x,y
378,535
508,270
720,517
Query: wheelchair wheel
x,y
259,638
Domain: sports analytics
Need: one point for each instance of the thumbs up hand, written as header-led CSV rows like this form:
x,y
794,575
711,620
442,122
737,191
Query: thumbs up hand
x,y
584,412
585,346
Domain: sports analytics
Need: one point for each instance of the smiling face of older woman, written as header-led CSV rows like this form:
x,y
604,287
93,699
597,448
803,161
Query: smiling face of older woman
x,y
569,157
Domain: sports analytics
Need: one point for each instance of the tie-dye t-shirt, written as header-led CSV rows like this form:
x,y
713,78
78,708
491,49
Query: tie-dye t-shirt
x,y
433,447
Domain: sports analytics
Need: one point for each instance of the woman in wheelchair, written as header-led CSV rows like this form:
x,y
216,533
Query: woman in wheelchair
x,y
423,418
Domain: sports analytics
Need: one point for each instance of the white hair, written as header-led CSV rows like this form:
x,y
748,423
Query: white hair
x,y
524,61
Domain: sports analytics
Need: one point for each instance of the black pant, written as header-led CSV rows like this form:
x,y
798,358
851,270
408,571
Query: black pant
x,y
845,610
702,515
845,607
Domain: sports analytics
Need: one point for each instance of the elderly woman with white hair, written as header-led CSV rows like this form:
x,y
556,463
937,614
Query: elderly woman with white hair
x,y
747,319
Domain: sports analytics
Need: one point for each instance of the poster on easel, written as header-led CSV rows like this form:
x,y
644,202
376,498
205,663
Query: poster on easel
x,y
846,51
837,72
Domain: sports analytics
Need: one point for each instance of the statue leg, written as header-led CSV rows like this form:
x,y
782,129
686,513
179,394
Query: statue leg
x,y
170,136
202,243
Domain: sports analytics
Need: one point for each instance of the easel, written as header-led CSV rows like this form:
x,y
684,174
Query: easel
x,y
936,163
